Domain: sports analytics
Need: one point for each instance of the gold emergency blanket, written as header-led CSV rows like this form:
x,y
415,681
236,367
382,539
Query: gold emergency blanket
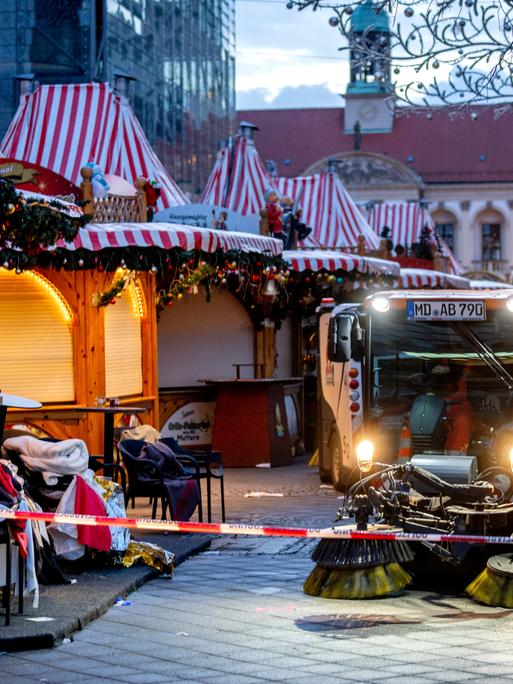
x,y
151,555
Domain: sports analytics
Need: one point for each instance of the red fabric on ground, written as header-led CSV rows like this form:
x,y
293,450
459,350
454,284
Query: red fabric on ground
x,y
88,502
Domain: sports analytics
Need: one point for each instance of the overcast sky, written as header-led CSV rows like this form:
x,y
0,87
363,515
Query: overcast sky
x,y
287,58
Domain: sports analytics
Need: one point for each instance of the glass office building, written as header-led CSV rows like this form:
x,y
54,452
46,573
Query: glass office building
x,y
180,53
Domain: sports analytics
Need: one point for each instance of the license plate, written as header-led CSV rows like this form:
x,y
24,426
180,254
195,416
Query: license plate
x,y
445,311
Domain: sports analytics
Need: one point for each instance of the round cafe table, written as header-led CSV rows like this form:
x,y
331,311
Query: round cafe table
x,y
8,401
108,428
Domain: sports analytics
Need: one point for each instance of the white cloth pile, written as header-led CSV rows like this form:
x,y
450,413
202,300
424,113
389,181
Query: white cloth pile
x,y
51,459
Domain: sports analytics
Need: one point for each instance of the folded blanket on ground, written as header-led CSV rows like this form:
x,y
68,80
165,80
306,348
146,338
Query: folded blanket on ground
x,y
52,459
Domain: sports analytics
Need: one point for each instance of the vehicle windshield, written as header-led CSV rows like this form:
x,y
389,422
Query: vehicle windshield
x,y
439,370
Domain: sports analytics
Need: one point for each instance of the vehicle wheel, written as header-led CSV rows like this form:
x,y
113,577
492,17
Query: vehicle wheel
x,y
324,475
340,475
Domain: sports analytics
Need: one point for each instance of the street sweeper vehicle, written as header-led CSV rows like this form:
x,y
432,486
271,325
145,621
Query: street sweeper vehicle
x,y
417,428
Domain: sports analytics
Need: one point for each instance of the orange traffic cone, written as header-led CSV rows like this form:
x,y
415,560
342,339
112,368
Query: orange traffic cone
x,y
405,442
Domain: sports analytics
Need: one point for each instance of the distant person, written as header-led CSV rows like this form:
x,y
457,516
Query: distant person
x,y
385,233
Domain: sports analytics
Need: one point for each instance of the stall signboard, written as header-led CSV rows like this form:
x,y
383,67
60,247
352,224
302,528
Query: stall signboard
x,y
210,216
192,424
35,178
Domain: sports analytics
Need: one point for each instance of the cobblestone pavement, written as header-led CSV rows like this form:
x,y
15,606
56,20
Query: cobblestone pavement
x,y
237,614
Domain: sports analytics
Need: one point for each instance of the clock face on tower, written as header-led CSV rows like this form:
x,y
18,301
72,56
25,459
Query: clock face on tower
x,y
367,112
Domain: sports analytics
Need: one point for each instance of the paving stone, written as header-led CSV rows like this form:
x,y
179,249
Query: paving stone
x,y
411,669
452,676
247,620
146,678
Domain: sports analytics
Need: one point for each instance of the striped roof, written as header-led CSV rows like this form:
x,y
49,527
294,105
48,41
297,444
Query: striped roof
x,y
406,221
420,277
329,210
62,127
97,236
238,180
318,260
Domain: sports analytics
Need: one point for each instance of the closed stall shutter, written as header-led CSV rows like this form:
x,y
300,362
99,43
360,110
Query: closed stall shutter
x,y
284,350
199,339
123,349
36,348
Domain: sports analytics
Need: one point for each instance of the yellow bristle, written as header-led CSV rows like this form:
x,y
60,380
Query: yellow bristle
x,y
356,584
492,589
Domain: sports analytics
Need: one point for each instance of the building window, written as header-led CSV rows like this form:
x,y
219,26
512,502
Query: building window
x,y
492,250
446,232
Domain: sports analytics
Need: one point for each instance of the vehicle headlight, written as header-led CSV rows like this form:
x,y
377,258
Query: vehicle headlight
x,y
364,454
509,304
511,458
381,304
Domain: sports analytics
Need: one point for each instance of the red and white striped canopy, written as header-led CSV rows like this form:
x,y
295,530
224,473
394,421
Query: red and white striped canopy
x,y
238,180
62,127
329,210
406,221
489,285
318,260
98,236
424,278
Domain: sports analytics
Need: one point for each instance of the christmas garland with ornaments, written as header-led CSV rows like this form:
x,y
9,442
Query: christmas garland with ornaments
x,y
28,228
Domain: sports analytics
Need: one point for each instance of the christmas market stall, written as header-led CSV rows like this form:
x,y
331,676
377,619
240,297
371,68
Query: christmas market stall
x,y
62,127
411,238
238,180
79,307
327,207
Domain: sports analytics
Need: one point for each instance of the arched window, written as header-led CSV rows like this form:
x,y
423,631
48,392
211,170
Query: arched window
x,y
445,226
199,339
123,344
492,237
36,349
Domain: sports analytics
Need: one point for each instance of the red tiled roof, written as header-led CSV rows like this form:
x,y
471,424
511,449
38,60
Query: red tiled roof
x,y
445,148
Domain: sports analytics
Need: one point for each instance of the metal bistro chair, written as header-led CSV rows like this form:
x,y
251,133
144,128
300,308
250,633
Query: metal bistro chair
x,y
204,460
153,487
5,539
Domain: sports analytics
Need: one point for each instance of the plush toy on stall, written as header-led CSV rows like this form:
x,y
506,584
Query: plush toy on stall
x,y
294,229
152,190
99,184
274,214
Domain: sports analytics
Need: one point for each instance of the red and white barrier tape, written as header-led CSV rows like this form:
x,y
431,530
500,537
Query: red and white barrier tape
x,y
256,530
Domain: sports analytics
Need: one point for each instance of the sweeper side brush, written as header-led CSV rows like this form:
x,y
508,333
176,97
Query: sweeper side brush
x,y
494,586
357,569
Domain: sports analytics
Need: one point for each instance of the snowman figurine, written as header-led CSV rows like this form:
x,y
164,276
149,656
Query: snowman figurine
x,y
100,186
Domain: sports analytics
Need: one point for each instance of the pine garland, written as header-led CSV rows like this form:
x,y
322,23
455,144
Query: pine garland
x,y
26,226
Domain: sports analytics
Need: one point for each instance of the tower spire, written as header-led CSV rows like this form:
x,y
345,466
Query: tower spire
x,y
369,94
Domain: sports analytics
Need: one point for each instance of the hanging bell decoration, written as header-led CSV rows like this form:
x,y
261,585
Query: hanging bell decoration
x,y
270,290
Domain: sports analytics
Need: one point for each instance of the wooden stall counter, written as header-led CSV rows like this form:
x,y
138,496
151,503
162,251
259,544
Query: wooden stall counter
x,y
251,425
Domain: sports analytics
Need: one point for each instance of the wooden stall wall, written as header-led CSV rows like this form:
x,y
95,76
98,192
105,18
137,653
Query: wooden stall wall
x,y
60,421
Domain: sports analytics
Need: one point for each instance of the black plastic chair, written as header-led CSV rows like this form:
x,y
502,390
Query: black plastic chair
x,y
152,485
204,460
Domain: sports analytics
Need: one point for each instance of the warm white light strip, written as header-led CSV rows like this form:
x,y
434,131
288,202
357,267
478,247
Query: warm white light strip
x,y
50,287
137,299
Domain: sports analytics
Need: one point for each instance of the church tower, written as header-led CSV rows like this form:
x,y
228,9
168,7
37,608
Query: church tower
x,y
369,95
